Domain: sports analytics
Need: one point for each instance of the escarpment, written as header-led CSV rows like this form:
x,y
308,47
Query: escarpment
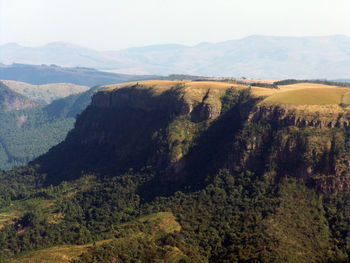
x,y
187,131
307,142
203,105
324,116
134,126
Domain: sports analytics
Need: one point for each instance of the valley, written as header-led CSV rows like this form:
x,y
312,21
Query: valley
x,y
174,131
39,114
31,129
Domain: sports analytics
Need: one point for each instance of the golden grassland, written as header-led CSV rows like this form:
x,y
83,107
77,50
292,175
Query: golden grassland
x,y
346,98
191,91
303,97
194,87
309,96
300,93
56,254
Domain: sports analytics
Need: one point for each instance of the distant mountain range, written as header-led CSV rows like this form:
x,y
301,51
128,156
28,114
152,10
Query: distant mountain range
x,y
44,74
253,56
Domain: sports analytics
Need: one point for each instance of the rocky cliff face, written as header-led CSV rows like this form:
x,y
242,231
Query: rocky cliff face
x,y
301,117
140,98
129,127
312,146
182,136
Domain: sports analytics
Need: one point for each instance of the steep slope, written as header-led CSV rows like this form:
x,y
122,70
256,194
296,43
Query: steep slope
x,y
157,123
45,94
254,56
11,100
127,119
30,132
240,174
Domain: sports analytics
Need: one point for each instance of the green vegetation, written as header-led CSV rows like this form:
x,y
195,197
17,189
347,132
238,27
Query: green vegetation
x,y
19,208
323,82
141,239
264,85
56,254
29,133
32,131
45,94
157,182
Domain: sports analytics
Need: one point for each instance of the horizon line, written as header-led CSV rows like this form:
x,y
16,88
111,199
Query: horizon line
x,y
170,44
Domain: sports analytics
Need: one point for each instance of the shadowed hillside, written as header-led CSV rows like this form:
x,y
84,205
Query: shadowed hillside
x,y
32,129
189,171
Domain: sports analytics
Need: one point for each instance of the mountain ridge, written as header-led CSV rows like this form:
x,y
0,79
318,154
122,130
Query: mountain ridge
x,y
46,74
256,56
12,100
45,94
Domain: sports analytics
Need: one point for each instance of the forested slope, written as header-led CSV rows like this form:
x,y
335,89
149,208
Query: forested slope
x,y
29,129
169,171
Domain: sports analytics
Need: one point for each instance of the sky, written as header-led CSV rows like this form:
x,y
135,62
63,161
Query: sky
x,y
119,24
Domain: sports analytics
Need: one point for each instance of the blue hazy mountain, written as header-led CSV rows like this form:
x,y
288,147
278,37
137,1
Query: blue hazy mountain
x,y
254,56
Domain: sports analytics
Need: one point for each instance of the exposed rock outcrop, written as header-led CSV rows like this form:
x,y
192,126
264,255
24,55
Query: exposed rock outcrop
x,y
140,98
137,126
286,116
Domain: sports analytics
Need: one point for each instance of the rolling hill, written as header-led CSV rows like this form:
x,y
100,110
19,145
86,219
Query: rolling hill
x,y
11,100
45,94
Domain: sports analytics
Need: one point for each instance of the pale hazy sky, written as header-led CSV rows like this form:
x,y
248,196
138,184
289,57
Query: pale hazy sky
x,y
117,24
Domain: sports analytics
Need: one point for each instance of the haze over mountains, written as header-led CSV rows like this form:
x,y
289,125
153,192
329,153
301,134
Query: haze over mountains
x,y
253,56
44,74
